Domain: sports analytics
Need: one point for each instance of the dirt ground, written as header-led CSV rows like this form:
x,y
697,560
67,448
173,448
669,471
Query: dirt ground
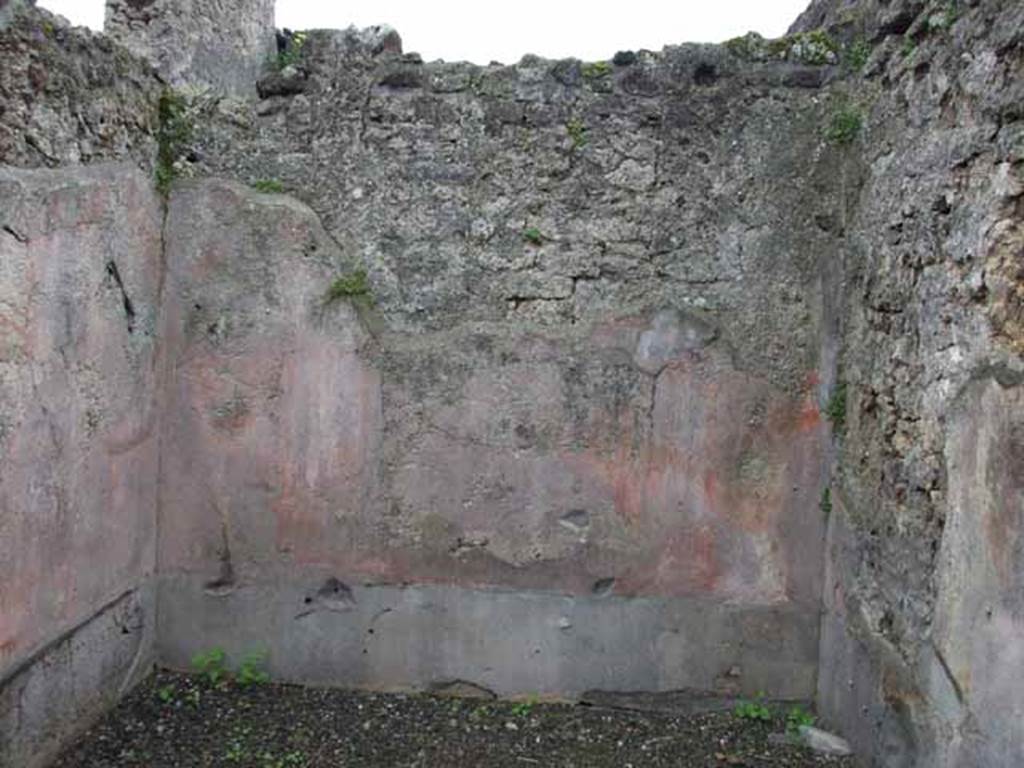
x,y
174,720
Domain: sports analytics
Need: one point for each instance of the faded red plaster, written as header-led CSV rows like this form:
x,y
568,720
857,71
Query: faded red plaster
x,y
687,498
307,435
19,329
710,485
662,482
316,483
7,645
810,415
688,556
634,480
76,504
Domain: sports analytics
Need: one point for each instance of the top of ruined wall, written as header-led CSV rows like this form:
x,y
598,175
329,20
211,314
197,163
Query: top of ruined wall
x,y
221,45
873,21
68,95
873,18
556,193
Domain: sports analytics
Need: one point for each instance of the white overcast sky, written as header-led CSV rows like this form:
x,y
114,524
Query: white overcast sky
x,y
481,31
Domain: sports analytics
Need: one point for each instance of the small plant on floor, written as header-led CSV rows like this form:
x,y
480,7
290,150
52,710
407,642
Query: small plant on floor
x,y
165,693
523,708
268,186
596,69
754,711
353,285
798,717
533,236
235,752
293,759
210,664
251,671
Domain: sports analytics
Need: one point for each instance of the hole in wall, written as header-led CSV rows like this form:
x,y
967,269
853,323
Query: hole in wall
x,y
334,594
705,74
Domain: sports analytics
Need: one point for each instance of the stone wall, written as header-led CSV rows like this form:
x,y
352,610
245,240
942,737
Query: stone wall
x,y
586,370
80,277
81,273
358,495
924,623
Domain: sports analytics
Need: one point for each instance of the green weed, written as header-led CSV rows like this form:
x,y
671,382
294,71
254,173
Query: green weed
x,y
746,47
857,54
814,47
577,132
797,717
292,759
269,186
174,132
835,408
754,711
825,505
845,125
251,671
523,708
290,56
596,69
533,236
210,664
353,285
236,752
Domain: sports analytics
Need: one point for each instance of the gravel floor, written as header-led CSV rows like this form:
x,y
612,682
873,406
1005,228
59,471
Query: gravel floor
x,y
175,720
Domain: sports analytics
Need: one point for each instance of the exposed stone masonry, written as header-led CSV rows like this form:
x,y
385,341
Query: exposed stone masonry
x,y
931,302
70,96
224,45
